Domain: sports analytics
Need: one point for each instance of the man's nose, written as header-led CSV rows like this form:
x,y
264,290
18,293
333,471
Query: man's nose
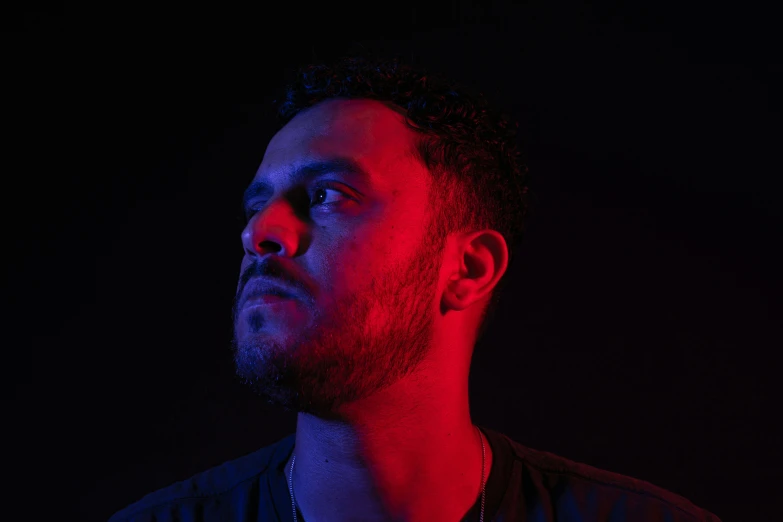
x,y
275,230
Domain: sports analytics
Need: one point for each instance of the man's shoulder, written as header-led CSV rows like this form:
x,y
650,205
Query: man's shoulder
x,y
584,487
220,480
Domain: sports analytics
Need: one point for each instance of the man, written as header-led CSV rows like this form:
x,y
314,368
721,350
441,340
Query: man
x,y
380,224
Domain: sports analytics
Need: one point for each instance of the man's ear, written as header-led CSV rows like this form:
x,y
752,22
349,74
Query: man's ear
x,y
483,259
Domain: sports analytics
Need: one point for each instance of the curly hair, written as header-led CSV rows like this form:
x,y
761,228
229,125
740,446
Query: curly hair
x,y
479,177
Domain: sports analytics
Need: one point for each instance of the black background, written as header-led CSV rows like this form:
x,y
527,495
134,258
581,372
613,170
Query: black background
x,y
641,330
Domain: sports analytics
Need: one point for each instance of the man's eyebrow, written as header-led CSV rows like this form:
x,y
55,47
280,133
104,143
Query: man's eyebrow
x,y
307,171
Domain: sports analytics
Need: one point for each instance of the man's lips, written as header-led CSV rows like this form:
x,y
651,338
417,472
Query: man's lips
x,y
263,291
264,299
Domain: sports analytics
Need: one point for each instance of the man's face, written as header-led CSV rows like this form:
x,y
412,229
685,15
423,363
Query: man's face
x,y
363,262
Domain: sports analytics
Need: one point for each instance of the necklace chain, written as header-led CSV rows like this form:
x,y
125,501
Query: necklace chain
x,y
483,482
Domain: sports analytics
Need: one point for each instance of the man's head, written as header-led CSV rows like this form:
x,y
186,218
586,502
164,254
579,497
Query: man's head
x,y
385,202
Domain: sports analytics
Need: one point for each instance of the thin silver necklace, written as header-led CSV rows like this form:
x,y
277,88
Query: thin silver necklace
x,y
483,482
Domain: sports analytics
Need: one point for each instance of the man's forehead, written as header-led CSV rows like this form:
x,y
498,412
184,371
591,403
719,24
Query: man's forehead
x,y
366,130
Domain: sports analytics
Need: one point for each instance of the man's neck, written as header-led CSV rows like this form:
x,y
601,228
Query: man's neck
x,y
422,464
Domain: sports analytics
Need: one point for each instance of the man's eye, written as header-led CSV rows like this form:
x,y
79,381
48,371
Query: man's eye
x,y
323,190
320,197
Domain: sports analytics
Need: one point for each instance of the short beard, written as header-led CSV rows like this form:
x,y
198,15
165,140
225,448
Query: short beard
x,y
366,343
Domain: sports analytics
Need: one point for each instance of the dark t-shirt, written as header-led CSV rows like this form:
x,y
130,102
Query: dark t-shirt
x,y
523,485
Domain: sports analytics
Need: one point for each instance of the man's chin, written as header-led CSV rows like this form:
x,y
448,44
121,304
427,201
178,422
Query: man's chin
x,y
271,373
267,382
290,400
261,361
